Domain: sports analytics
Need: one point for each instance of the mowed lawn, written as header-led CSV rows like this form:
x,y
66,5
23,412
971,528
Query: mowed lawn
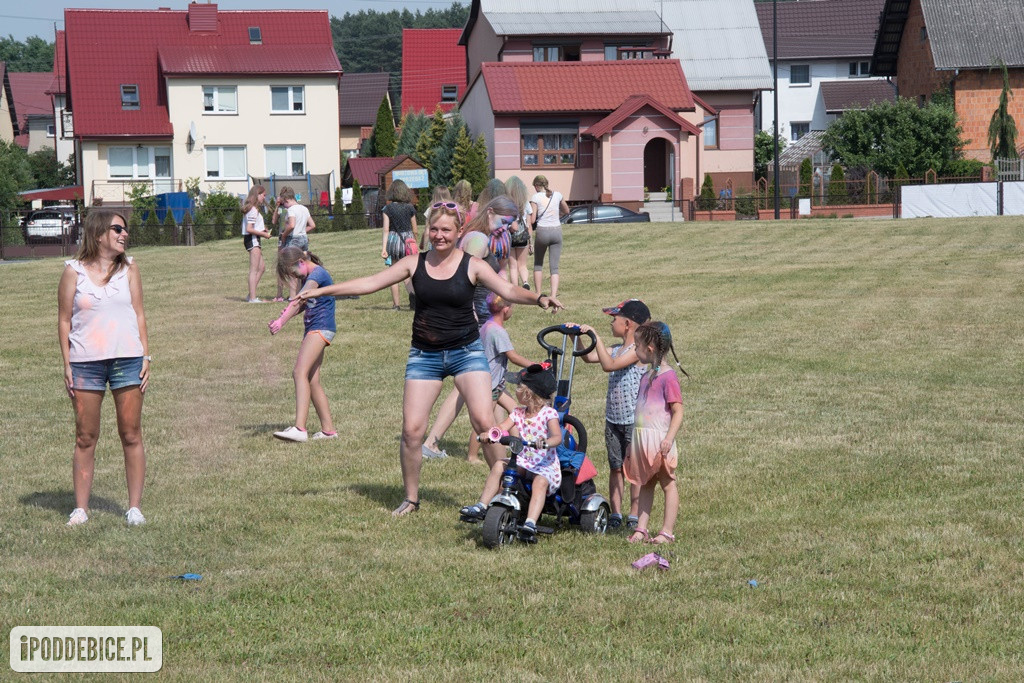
x,y
853,441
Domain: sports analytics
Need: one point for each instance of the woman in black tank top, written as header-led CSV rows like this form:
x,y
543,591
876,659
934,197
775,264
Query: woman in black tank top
x,y
445,338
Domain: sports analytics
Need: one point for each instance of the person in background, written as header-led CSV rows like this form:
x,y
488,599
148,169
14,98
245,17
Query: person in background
x,y
252,230
398,234
548,207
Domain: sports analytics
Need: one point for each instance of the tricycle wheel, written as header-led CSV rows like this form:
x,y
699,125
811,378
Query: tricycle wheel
x,y
595,522
499,526
575,435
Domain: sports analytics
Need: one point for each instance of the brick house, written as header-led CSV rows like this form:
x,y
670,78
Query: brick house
x,y
931,45
433,69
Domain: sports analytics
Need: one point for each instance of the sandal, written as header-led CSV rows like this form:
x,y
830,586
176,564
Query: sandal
x,y
407,507
644,537
476,511
669,538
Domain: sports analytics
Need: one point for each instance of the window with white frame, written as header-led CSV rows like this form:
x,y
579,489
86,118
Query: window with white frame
x,y
220,99
798,129
556,53
287,99
129,97
139,162
51,130
286,160
711,132
800,74
548,146
860,69
226,163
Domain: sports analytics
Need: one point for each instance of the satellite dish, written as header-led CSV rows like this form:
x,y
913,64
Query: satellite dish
x,y
192,131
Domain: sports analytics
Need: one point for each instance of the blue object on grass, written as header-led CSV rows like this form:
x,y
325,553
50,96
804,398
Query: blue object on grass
x,y
752,583
189,577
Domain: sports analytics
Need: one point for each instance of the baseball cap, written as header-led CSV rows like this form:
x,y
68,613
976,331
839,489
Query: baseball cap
x,y
632,309
537,378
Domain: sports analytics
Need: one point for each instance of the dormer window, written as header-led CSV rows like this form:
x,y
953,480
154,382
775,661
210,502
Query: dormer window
x,y
255,35
129,97
449,93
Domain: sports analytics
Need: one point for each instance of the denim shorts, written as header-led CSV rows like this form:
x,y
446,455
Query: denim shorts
x,y
436,365
94,375
300,241
616,441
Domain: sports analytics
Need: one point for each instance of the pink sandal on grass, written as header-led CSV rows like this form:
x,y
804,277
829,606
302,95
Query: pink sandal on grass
x,y
644,537
669,538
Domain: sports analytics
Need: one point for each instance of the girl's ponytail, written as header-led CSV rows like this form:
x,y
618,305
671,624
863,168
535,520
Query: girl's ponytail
x,y
310,256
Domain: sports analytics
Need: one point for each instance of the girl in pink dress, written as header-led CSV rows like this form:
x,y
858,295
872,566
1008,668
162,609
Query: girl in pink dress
x,y
652,455
537,422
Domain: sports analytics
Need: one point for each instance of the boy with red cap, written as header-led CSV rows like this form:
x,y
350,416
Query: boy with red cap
x,y
624,372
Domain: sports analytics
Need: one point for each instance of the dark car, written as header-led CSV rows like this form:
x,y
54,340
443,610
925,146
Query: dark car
x,y
52,225
604,213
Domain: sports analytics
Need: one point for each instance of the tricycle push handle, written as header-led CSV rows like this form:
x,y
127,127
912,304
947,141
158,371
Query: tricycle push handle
x,y
568,331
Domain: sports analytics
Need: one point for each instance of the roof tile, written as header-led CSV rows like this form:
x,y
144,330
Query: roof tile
x,y
431,58
822,29
840,96
359,97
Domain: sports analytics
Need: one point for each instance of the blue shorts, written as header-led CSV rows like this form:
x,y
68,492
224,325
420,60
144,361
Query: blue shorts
x,y
94,375
436,365
300,241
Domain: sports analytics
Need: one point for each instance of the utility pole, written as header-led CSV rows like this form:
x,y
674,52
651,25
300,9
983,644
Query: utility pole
x,y
775,96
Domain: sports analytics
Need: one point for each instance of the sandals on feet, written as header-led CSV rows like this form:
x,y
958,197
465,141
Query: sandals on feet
x,y
474,511
668,538
407,507
640,536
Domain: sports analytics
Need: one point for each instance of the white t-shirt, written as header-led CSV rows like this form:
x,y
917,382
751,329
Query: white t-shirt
x,y
252,216
547,216
301,216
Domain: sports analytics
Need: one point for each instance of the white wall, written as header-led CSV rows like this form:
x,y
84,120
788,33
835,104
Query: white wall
x,y
803,103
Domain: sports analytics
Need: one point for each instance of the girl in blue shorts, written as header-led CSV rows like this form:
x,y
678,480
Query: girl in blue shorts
x,y
445,337
320,331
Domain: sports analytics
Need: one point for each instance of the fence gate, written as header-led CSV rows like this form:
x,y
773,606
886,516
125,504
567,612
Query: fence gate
x,y
1010,169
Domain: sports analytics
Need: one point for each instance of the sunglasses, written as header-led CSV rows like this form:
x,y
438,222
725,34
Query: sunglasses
x,y
119,229
451,206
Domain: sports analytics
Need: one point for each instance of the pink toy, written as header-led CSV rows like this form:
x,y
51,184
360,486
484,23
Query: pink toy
x,y
495,434
651,559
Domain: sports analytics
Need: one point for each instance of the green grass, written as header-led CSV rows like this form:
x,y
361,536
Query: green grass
x,y
852,440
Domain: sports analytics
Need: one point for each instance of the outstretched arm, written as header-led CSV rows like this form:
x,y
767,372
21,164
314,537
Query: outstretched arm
x,y
480,272
366,285
609,364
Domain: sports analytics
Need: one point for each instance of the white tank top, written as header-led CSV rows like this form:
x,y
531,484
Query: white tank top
x,y
103,321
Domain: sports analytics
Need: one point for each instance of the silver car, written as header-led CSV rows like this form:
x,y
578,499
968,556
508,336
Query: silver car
x,y
52,225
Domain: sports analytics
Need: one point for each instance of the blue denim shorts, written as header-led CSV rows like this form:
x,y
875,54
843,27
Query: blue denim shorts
x,y
436,365
300,241
94,375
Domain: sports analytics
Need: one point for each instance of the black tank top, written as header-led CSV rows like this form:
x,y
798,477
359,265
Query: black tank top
x,y
444,309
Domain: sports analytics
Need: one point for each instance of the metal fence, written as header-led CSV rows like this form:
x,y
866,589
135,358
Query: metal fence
x,y
1009,169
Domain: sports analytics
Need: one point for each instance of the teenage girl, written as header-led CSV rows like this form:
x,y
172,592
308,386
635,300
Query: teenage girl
x,y
252,230
534,420
399,227
522,237
320,331
652,455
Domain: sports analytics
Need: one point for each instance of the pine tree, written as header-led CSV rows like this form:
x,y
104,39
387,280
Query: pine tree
x,y
430,140
441,161
338,212
151,229
356,211
413,126
1002,130
706,202
478,171
837,194
169,228
460,157
384,142
806,178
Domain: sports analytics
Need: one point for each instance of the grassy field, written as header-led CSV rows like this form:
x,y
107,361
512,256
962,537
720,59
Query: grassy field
x,y
853,438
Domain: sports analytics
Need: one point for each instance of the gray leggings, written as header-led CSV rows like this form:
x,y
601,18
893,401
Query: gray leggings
x,y
544,239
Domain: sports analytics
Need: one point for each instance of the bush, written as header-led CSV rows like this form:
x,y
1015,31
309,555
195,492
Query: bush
x,y
806,178
837,194
706,200
169,228
356,210
219,217
338,212
963,168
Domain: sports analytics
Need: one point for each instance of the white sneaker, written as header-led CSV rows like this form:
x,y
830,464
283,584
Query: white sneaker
x,y
134,517
77,516
257,300
321,435
293,433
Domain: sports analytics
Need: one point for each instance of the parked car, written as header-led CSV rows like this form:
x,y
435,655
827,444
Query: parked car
x,y
604,213
51,225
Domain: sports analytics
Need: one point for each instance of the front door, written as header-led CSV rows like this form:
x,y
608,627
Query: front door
x,y
656,160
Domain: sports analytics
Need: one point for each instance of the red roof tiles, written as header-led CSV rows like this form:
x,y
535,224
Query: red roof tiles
x,y
30,99
431,58
110,48
528,87
367,169
631,106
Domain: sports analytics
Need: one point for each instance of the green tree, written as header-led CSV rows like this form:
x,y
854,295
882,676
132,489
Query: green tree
x,y
1002,130
383,136
143,203
442,155
706,200
356,210
430,140
764,153
338,212
888,134
169,228
413,126
460,156
15,176
806,178
478,169
837,193
35,54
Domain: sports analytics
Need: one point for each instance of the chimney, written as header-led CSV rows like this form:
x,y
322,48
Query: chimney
x,y
202,18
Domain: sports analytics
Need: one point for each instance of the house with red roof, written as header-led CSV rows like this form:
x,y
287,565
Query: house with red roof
x,y
36,129
162,96
433,69
64,133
